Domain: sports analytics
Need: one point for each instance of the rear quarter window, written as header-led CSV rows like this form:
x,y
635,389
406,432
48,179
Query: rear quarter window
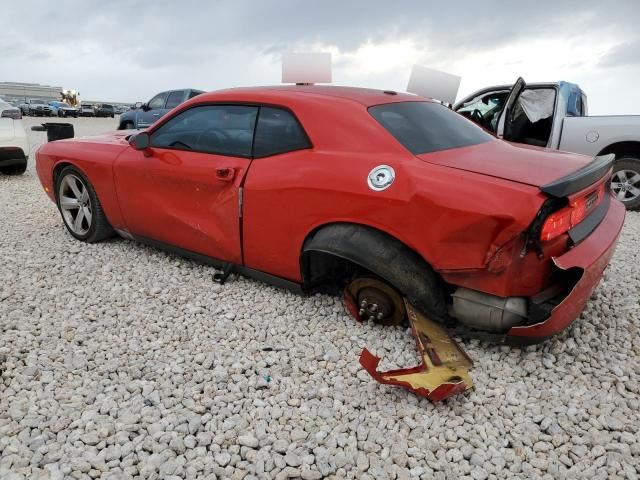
x,y
277,132
424,127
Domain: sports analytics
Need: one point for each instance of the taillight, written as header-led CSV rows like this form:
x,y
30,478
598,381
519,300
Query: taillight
x,y
13,113
568,217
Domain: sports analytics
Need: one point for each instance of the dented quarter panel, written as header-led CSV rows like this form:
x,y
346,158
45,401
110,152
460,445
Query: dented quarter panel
x,y
455,219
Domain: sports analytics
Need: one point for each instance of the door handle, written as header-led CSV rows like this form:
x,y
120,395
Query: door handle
x,y
225,174
156,114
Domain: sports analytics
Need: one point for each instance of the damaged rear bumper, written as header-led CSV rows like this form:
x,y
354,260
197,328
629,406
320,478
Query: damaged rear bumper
x,y
444,371
591,257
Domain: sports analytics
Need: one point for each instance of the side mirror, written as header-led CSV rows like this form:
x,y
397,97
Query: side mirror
x,y
141,141
138,105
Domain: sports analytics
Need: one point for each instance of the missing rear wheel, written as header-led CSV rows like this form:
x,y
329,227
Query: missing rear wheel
x,y
376,300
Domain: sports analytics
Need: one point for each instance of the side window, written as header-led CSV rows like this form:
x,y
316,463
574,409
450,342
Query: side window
x,y
174,99
576,105
579,106
157,101
278,132
194,93
219,129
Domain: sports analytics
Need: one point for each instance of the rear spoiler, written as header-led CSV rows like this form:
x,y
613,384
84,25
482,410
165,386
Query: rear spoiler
x,y
581,178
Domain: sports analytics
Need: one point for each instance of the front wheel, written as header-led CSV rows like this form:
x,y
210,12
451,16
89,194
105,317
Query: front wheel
x,y
625,182
80,208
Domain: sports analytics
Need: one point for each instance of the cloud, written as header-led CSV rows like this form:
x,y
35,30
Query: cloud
x,y
130,49
621,55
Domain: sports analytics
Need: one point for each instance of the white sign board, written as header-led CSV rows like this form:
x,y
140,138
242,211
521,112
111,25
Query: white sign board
x,y
312,67
435,84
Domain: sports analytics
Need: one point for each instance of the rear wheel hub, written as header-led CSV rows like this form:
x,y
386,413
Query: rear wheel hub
x,y
377,301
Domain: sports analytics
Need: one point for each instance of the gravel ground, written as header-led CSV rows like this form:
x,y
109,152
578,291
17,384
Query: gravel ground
x,y
120,361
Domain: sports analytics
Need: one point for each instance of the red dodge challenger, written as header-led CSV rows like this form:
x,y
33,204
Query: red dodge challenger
x,y
375,193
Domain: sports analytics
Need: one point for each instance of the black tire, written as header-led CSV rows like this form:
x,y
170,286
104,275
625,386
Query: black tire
x,y
383,256
629,163
127,126
99,229
14,169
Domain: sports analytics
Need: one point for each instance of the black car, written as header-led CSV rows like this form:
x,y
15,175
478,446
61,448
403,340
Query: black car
x,y
105,110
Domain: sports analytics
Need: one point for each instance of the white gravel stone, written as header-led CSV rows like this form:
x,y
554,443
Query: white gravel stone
x,y
120,361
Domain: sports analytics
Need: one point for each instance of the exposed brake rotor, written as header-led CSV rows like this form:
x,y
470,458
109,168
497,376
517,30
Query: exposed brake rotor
x,y
372,299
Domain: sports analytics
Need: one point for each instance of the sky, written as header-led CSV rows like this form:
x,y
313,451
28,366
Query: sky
x,y
129,50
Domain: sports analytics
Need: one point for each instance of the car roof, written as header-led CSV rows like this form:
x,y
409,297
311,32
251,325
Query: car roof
x,y
364,96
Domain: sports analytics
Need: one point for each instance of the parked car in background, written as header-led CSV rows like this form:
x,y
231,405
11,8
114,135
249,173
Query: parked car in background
x,y
62,109
105,110
554,115
35,108
87,110
14,143
483,235
147,113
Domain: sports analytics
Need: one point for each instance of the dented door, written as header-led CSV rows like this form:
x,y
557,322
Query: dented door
x,y
186,199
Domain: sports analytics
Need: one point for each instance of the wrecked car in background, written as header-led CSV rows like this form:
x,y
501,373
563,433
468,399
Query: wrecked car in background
x,y
554,115
380,195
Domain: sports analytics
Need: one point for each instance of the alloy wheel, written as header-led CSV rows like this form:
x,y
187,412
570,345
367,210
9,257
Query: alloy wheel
x,y
626,185
75,204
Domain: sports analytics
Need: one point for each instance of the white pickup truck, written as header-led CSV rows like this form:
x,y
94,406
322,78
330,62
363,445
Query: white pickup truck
x,y
554,115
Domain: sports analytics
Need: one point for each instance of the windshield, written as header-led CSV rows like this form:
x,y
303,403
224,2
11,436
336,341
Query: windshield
x,y
64,104
424,127
39,102
485,109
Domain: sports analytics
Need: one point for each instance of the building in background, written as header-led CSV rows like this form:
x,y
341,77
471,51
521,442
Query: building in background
x,y
24,91
10,91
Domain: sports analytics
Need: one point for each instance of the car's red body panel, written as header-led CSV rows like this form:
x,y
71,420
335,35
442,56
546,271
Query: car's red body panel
x,y
463,210
534,166
175,198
